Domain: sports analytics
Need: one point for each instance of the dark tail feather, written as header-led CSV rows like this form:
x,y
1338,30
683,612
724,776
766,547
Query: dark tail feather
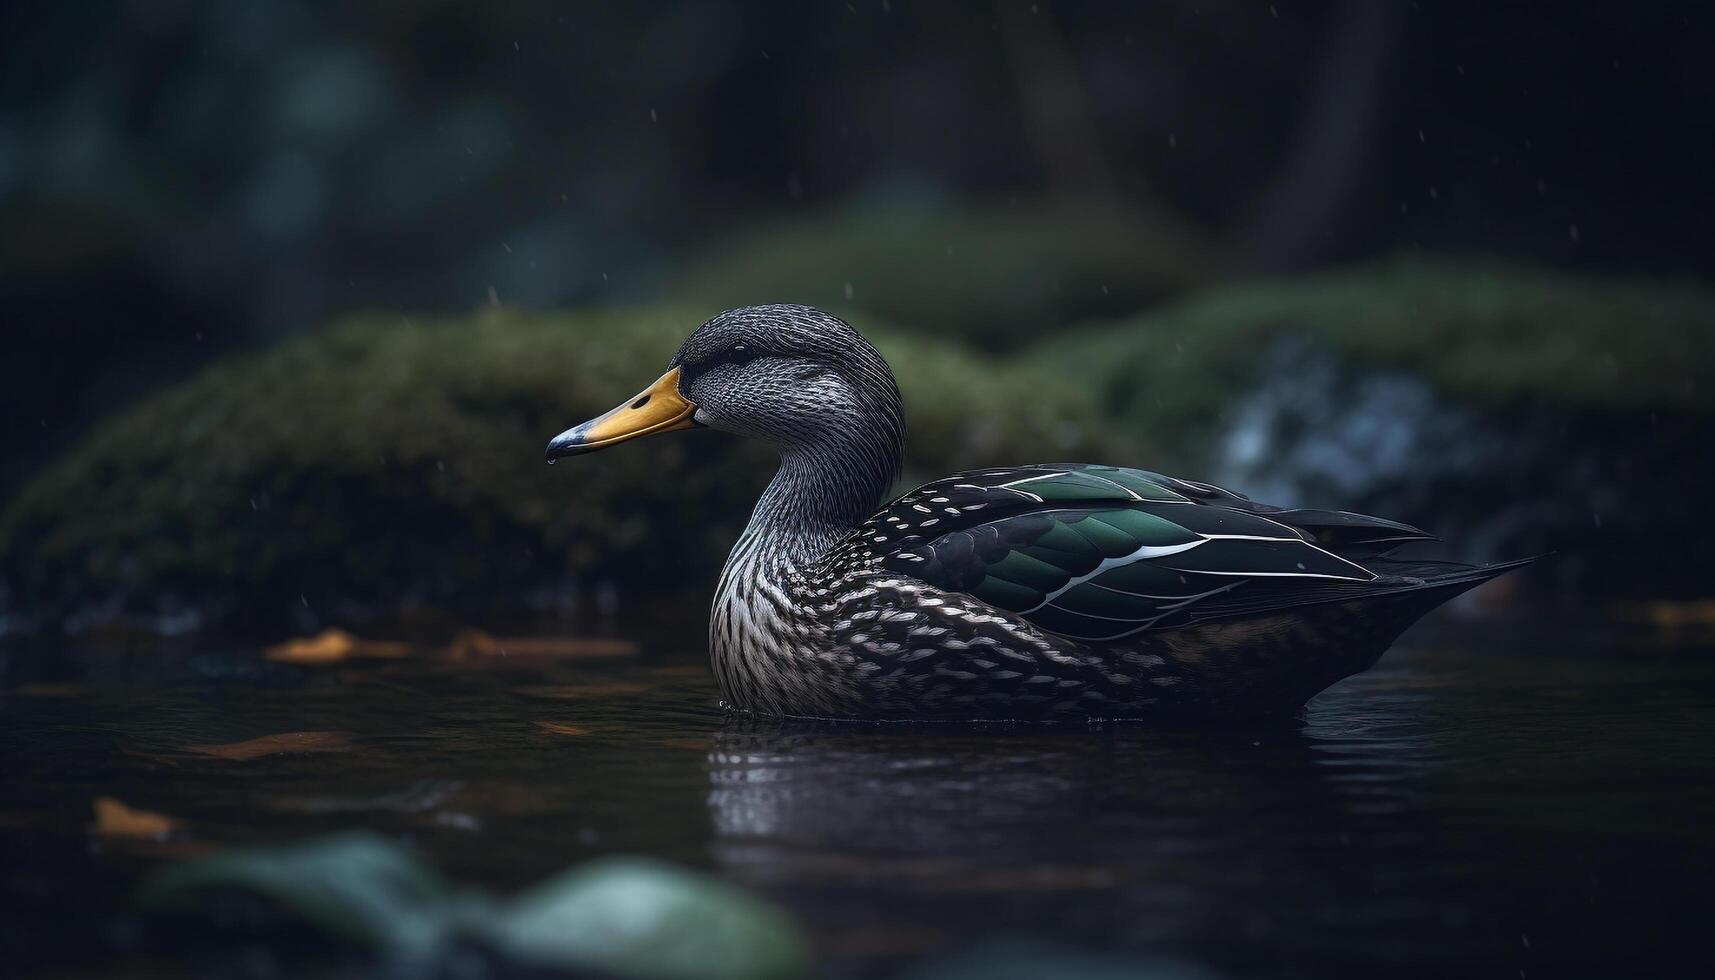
x,y
1401,585
1392,608
1423,585
1416,576
1340,633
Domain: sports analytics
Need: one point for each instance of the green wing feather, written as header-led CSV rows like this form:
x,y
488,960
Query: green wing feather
x,y
1101,552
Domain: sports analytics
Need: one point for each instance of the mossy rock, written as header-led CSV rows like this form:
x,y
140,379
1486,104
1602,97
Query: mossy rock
x,y
999,275
1513,410
1492,334
385,463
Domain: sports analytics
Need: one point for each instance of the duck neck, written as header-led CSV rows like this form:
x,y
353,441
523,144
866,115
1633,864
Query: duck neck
x,y
820,494
762,635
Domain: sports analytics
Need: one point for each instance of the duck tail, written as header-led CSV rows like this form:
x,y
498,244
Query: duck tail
x,y
1413,588
1446,577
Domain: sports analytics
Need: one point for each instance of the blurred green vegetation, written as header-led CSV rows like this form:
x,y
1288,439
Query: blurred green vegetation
x,y
614,917
1492,335
998,276
385,463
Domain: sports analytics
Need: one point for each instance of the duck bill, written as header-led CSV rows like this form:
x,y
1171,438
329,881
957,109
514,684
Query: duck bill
x,y
657,408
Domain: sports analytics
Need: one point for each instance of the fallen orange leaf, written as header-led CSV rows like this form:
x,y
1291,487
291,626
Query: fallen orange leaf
x,y
560,728
330,646
115,819
1669,614
284,743
324,647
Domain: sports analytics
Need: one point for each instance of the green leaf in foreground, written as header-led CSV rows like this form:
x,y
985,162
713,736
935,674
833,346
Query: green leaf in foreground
x,y
625,917
642,918
356,886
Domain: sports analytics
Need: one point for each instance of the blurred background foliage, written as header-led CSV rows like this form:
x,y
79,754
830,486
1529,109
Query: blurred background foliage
x,y
1449,259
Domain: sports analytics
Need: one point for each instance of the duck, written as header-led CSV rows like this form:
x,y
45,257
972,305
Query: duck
x,y
1036,592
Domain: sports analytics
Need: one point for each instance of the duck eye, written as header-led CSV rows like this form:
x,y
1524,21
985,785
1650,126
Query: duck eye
x,y
739,350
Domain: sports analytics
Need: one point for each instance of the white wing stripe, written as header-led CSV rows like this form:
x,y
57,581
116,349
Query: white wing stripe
x,y
1147,551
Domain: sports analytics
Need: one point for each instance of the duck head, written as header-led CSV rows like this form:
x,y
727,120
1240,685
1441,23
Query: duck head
x,y
792,377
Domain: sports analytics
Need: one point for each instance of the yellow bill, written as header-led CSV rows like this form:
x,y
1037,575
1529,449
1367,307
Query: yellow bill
x,y
657,408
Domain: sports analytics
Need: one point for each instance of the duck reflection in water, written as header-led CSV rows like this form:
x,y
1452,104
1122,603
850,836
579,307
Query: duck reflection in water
x,y
1117,837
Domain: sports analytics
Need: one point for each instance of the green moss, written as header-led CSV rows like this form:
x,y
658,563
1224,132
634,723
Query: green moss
x,y
384,462
1493,335
998,275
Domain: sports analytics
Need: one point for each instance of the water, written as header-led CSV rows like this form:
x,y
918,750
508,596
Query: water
x,y
1490,801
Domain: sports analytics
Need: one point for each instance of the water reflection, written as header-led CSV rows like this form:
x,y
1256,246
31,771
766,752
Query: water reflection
x,y
1432,816
1122,837
944,791
1465,808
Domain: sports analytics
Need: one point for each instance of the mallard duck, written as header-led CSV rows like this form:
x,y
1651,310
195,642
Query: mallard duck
x,y
1042,591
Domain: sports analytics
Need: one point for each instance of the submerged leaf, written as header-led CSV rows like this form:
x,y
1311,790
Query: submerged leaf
x,y
423,796
476,643
573,692
640,918
561,728
281,744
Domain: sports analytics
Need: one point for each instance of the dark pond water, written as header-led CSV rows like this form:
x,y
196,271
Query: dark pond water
x,y
1492,800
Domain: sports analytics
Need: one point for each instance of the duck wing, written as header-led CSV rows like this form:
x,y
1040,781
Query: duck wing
x,y
1097,553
